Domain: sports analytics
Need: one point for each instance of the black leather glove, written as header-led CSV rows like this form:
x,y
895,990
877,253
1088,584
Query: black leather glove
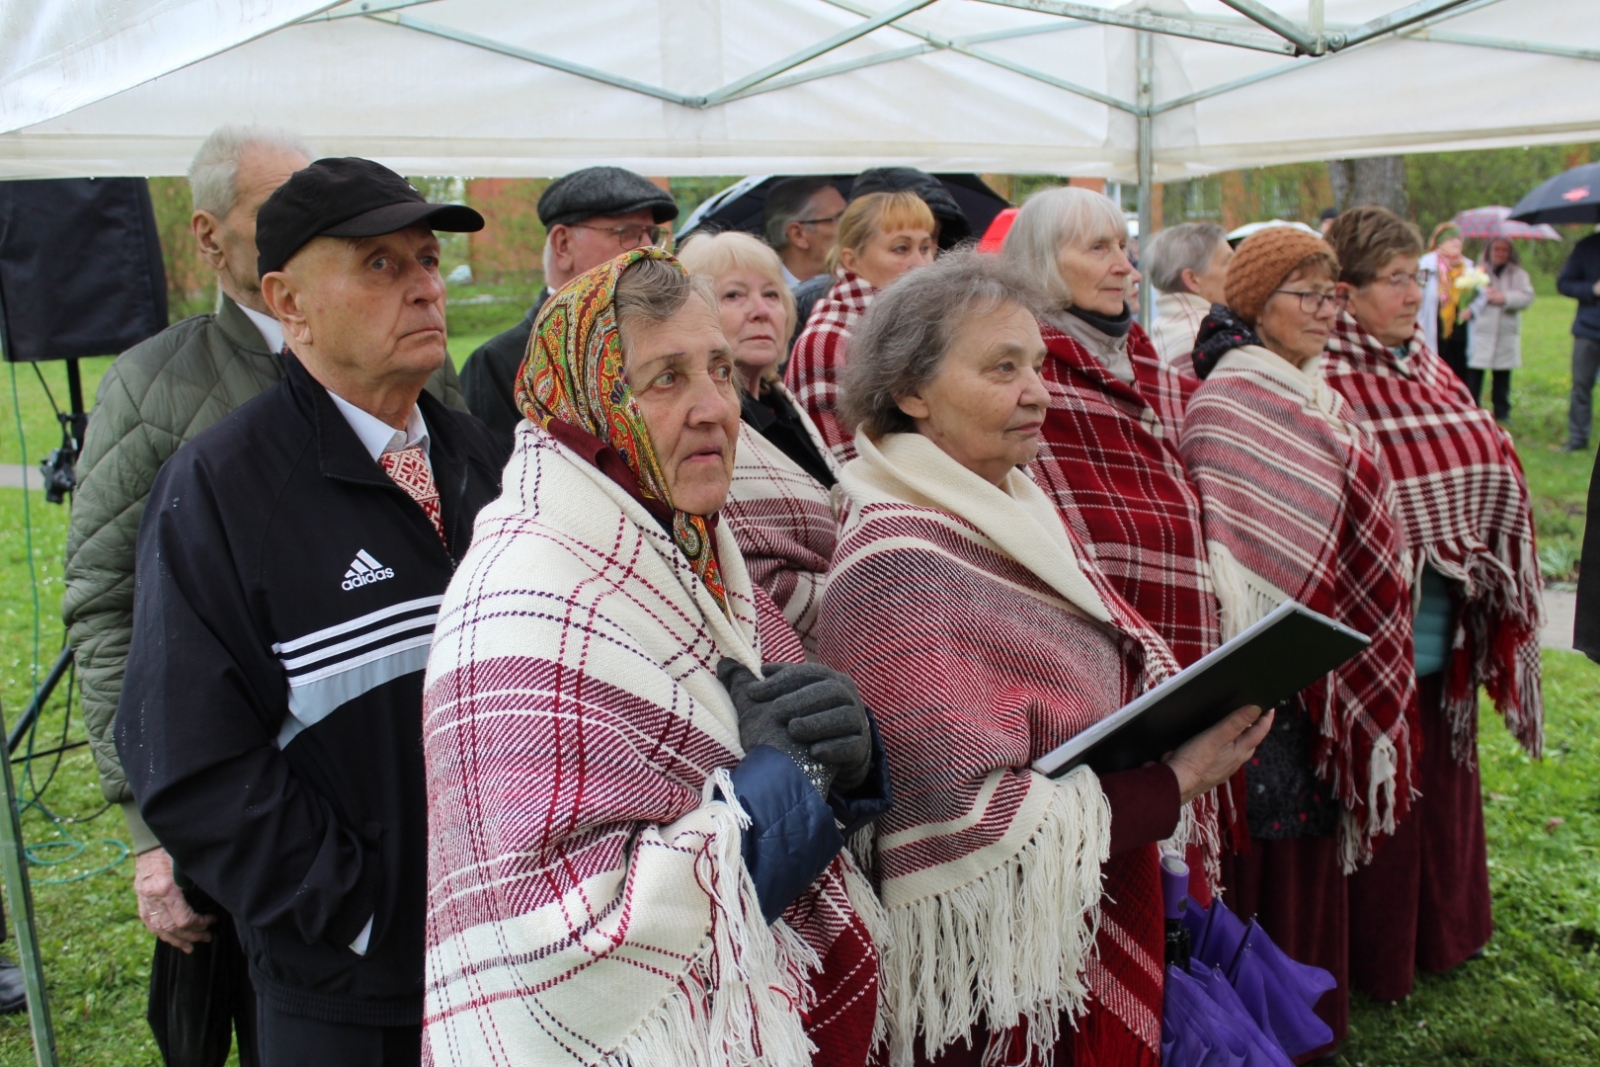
x,y
807,711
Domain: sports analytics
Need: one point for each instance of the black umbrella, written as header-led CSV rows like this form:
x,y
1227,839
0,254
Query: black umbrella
x,y
970,207
1570,197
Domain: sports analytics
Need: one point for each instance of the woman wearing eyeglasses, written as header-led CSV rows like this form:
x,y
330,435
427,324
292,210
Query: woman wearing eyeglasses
x,y
1298,505
1464,511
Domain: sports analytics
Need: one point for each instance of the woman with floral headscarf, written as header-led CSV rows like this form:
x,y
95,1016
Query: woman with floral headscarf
x,y
636,815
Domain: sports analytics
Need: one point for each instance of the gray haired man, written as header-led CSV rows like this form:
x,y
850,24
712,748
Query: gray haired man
x,y
156,396
801,221
590,217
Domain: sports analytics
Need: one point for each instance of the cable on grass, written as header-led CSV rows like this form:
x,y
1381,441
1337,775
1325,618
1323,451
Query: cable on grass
x,y
67,846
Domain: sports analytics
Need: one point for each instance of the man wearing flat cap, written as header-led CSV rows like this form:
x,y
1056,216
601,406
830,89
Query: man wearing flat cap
x,y
291,561
590,216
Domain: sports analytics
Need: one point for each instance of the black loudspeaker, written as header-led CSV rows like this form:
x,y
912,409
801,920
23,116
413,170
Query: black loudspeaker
x,y
80,268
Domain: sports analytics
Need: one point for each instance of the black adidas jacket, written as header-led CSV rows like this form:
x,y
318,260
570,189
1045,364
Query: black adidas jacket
x,y
271,716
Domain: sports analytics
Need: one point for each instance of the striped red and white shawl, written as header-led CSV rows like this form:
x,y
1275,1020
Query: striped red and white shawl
x,y
785,524
1466,511
587,900
816,365
981,639
1299,506
1109,459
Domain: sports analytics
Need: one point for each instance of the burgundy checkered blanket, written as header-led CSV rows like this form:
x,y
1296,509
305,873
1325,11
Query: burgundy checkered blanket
x,y
817,362
587,899
1299,506
1465,509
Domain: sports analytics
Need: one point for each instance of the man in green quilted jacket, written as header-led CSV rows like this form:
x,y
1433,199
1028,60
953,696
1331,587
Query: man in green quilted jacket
x,y
156,396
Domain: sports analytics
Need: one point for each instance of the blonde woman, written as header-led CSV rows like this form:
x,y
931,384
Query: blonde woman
x,y
779,504
881,237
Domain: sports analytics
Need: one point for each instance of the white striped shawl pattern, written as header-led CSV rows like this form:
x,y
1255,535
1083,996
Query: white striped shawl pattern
x,y
1466,510
587,901
817,363
785,524
975,665
1298,505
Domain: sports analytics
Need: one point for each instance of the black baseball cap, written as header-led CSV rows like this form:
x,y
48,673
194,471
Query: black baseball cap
x,y
346,197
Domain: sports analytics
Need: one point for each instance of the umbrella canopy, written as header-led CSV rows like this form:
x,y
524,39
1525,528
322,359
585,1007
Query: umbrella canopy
x,y
741,205
527,88
1490,222
1570,197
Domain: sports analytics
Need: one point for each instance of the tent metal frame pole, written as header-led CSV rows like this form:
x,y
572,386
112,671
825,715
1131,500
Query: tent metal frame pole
x,y
1145,75
1173,27
1308,43
963,46
1506,44
19,891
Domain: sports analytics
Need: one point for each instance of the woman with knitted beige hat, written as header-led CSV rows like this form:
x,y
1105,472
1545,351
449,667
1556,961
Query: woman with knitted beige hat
x,y
1298,505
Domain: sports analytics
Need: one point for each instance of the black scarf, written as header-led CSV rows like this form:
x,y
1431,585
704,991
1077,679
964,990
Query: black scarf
x,y
1114,327
1220,333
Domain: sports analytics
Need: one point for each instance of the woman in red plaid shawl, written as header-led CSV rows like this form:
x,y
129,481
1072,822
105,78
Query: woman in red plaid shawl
x,y
982,638
1109,453
881,236
1464,507
1299,506
780,503
636,824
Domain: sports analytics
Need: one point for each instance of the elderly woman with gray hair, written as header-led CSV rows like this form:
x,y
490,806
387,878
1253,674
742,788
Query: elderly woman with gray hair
x,y
1188,265
982,634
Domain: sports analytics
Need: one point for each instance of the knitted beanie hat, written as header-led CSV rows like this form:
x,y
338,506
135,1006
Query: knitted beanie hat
x,y
1262,262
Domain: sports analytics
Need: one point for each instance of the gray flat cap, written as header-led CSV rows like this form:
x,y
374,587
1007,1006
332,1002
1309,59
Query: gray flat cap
x,y
592,191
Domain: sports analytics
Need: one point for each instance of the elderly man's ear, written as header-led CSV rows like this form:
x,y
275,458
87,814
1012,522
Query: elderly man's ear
x,y
282,296
207,230
559,237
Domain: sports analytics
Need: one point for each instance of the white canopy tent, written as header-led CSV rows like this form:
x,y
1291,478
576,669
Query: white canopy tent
x,y
1143,92
537,87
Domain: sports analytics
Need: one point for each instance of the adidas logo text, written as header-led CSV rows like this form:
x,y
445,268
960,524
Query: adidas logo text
x,y
364,570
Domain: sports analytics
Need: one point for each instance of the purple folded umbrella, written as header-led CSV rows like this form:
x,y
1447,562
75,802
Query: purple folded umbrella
x,y
1205,1025
1240,1000
1280,993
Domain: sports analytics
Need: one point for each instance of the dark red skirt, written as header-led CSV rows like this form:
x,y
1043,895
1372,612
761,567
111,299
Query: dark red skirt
x,y
1423,902
1296,890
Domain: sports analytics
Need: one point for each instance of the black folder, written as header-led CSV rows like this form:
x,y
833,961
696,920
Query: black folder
x,y
1265,665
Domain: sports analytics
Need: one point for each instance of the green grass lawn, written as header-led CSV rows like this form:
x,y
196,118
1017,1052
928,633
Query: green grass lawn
x,y
1534,1000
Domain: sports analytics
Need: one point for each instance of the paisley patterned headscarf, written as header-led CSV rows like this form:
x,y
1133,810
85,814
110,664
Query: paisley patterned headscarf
x,y
573,372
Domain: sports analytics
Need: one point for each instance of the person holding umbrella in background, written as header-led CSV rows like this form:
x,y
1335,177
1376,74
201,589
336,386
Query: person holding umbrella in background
x,y
1574,196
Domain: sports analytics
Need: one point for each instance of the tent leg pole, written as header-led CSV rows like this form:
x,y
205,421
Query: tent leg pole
x,y
19,894
1146,74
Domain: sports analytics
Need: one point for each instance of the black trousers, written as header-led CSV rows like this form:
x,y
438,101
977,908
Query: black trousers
x,y
198,1000
1499,391
295,1041
1453,349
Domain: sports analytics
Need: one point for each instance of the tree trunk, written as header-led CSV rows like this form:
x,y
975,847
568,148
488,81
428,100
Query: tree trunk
x,y
1377,180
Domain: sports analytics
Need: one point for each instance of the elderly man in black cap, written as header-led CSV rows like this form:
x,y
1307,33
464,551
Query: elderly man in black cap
x,y
290,565
590,216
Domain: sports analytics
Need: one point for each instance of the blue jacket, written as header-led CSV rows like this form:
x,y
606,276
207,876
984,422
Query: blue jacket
x,y
1577,280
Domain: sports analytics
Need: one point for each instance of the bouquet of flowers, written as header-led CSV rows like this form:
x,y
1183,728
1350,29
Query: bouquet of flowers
x,y
1469,283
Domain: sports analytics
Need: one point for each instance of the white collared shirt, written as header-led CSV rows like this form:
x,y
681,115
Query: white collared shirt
x,y
377,436
788,276
271,329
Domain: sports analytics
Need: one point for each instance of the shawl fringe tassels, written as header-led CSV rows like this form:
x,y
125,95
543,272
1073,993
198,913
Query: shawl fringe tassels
x,y
1009,948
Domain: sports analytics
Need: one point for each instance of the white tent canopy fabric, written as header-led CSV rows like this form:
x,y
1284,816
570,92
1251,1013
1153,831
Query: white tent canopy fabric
x,y
678,87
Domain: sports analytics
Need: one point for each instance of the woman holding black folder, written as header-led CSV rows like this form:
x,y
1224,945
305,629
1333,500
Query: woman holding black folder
x,y
1299,506
1025,916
